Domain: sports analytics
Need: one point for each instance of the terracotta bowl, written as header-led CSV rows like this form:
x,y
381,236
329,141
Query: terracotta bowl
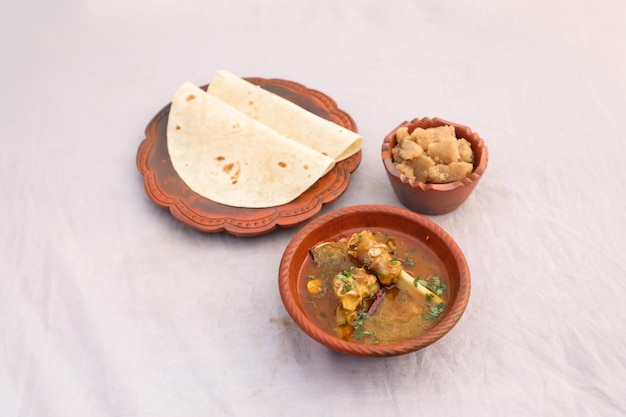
x,y
344,221
434,198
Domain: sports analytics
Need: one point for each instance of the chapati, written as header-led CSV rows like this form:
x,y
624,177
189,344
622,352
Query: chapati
x,y
230,158
285,117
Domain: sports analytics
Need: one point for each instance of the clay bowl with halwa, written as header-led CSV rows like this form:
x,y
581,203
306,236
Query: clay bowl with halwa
x,y
433,165
374,280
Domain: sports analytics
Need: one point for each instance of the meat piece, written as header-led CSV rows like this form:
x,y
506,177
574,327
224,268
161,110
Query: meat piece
x,y
375,257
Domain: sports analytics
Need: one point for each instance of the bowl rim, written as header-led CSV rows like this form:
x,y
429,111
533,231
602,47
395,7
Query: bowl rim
x,y
466,131
440,329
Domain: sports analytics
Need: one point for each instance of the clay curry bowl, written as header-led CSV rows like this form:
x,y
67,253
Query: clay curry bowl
x,y
428,198
416,237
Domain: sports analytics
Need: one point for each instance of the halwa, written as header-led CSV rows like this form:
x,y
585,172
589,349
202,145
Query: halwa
x,y
432,155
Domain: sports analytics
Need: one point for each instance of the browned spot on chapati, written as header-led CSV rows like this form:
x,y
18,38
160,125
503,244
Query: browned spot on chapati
x,y
228,167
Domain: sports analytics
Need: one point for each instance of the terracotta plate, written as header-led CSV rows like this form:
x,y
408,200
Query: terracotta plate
x,y
165,188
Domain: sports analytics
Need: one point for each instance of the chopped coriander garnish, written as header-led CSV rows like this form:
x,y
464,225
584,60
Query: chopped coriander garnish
x,y
433,283
359,323
434,311
345,277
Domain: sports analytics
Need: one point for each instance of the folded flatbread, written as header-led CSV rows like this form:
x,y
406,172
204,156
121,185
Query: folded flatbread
x,y
285,117
231,159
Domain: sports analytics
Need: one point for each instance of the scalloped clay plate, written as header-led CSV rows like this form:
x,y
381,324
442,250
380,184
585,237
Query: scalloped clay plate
x,y
165,188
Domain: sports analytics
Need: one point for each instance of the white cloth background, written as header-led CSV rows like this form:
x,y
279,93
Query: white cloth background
x,y
110,307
